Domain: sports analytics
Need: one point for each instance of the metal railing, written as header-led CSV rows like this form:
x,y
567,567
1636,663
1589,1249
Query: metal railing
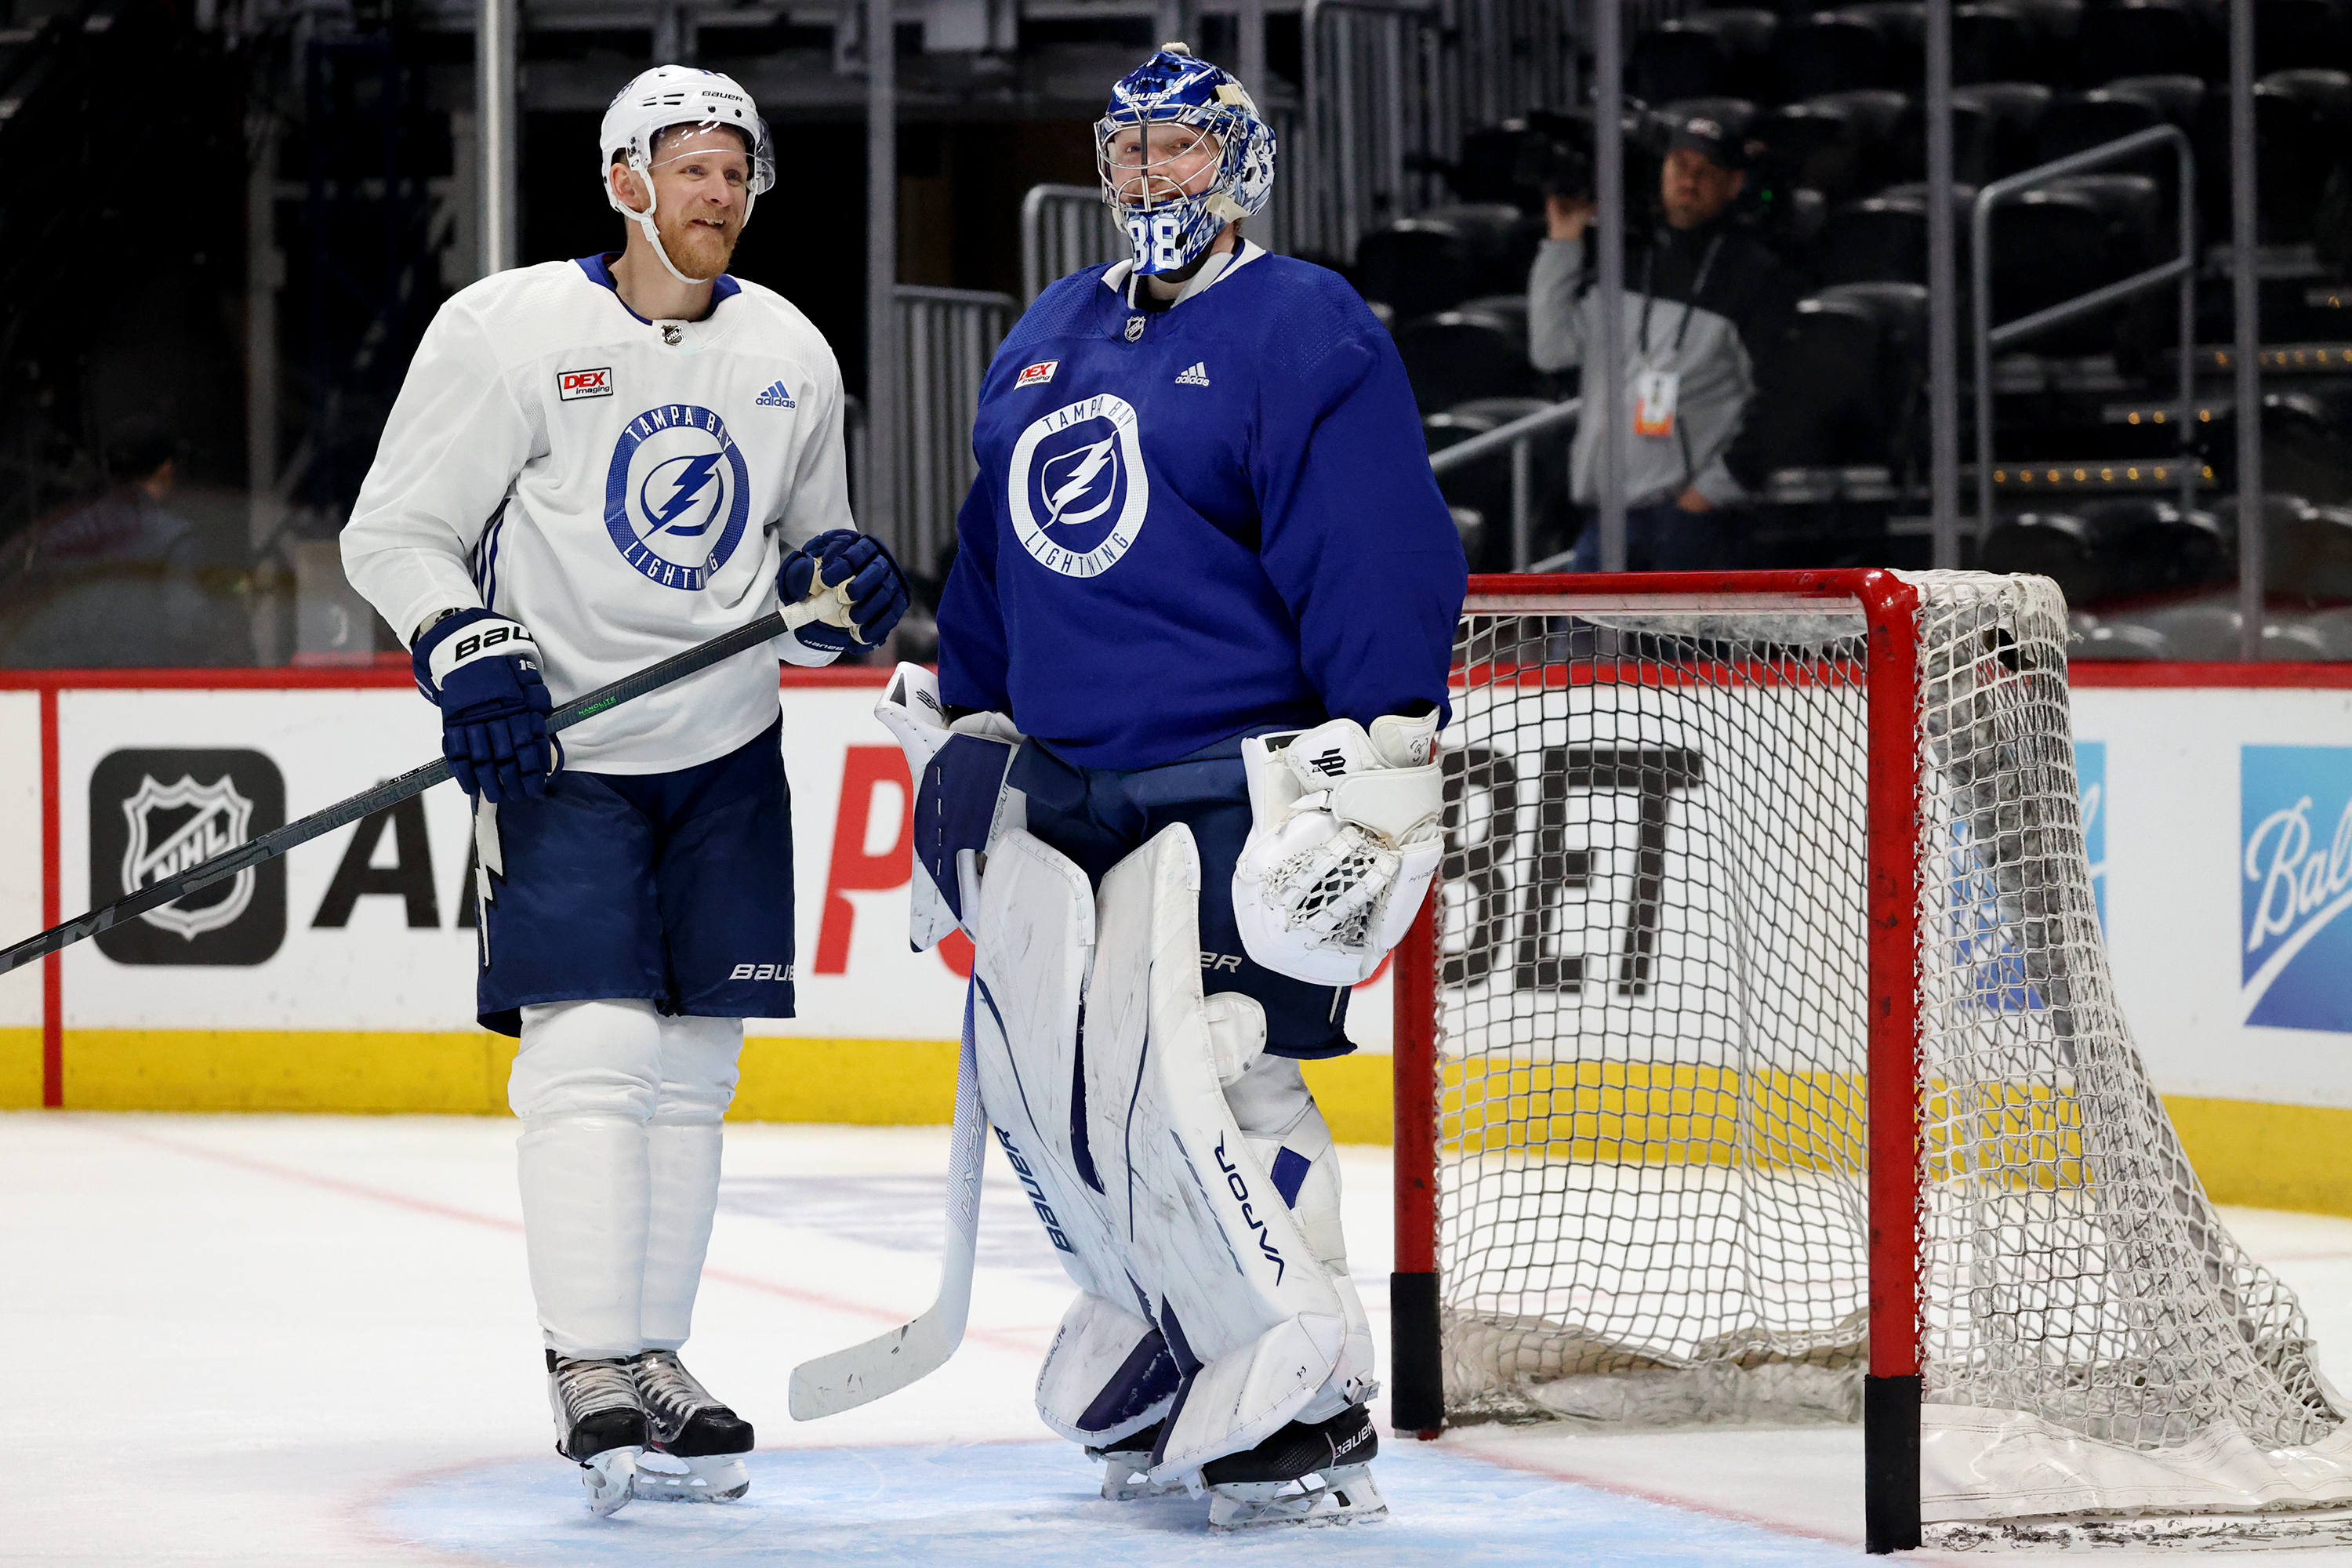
x,y
1518,437
946,337
2181,270
1064,228
1391,88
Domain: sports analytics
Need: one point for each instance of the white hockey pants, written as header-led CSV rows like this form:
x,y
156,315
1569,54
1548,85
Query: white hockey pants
x,y
619,1165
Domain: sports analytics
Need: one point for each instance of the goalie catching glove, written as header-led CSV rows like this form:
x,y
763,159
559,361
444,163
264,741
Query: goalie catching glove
x,y
1347,827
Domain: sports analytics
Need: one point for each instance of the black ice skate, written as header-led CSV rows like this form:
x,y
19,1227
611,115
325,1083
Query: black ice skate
x,y
1318,1474
701,1442
600,1425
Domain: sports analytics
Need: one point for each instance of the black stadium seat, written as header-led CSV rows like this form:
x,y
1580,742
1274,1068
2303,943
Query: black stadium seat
x,y
1456,356
2149,38
2062,241
2181,98
1419,265
1876,114
1829,52
1831,410
1885,239
1416,266
2015,109
1815,145
1746,33
1903,26
2077,122
1991,42
2302,130
1678,59
2297,35
1901,310
1976,142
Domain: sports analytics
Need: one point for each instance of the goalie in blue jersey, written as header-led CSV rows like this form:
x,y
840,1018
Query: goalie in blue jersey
x,y
1205,580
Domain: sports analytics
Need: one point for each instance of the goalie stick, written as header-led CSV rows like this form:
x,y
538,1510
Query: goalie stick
x,y
416,780
888,1363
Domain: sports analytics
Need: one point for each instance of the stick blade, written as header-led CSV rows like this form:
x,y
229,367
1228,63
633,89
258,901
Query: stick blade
x,y
863,1373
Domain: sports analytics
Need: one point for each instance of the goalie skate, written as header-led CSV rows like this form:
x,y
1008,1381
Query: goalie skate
x,y
1305,1474
1127,1468
697,1443
600,1425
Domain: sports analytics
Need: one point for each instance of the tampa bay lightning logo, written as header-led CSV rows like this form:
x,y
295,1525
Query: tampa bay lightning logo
x,y
1077,486
676,495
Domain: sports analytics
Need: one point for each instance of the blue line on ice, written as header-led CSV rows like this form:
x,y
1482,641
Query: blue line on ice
x,y
1033,1505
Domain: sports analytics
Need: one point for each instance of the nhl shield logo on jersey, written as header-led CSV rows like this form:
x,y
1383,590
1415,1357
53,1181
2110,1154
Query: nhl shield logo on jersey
x,y
678,495
1077,487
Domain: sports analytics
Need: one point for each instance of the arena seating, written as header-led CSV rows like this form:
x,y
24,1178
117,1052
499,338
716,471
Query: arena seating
x,y
2090,456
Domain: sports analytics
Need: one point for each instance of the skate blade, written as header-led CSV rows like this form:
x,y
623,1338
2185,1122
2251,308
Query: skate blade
x,y
611,1480
1125,1482
669,1477
1340,1495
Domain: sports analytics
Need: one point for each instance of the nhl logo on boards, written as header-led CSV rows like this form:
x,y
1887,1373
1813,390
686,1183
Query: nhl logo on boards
x,y
573,385
1077,486
1134,328
155,814
776,396
1037,375
676,495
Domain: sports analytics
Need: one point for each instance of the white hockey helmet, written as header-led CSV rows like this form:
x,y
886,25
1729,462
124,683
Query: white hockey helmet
x,y
670,96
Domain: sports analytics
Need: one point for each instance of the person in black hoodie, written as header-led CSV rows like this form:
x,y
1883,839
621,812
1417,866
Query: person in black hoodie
x,y
1706,306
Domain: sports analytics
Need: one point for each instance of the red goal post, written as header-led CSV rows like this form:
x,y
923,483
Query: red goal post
x,y
1851,1017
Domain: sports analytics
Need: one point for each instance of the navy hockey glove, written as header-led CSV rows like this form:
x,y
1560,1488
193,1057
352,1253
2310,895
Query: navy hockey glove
x,y
482,670
877,592
877,589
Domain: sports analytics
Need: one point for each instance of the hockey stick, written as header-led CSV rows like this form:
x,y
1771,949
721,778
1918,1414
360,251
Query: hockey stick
x,y
416,780
849,1378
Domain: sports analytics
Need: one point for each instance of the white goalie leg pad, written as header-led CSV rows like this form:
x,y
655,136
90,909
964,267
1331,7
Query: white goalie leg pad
x,y
699,1069
1108,1375
585,1082
1227,1272
1278,1114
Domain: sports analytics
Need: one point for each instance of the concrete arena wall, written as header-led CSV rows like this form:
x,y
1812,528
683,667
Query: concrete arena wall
x,y
2217,802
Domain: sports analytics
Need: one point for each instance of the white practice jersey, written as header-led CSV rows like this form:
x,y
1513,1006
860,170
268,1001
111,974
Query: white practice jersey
x,y
561,460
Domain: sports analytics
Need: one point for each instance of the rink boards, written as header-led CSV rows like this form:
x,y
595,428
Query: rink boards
x,y
2217,802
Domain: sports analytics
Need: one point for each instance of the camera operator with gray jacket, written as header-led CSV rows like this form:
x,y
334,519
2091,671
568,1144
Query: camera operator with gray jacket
x,y
1707,305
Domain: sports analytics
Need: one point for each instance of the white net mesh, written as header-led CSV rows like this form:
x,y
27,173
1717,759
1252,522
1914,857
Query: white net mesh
x,y
1652,1004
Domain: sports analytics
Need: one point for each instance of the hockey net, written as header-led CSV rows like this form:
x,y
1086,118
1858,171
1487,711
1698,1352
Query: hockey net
x,y
1696,833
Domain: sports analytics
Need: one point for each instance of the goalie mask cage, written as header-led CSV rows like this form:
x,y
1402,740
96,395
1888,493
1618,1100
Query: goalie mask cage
x,y
1758,1060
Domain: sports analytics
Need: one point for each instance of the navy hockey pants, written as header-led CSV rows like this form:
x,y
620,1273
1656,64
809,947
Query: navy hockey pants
x,y
674,888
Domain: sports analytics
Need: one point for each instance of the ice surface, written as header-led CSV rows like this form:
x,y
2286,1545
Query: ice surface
x,y
265,1340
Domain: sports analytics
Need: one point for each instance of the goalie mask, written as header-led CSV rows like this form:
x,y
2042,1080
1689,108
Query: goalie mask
x,y
1148,149
679,98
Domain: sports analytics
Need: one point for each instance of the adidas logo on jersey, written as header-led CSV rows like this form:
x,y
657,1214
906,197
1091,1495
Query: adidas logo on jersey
x,y
776,397
1196,376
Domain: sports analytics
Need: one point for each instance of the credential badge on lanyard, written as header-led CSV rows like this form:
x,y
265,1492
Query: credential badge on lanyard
x,y
1655,394
1658,392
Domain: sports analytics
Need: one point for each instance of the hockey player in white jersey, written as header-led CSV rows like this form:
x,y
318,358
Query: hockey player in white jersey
x,y
1194,652
593,465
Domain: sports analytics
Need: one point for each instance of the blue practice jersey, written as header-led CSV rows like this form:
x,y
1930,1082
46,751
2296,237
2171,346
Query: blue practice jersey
x,y
1212,521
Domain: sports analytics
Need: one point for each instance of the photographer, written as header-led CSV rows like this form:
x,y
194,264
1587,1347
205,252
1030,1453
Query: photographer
x,y
1705,305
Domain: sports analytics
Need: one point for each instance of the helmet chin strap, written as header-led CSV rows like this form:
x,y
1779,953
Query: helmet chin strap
x,y
645,221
